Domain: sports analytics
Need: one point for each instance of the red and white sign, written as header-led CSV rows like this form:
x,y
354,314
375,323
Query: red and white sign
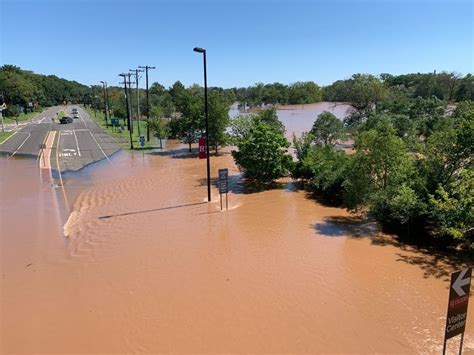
x,y
202,148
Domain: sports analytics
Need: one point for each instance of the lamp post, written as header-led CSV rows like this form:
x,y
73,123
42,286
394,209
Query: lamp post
x,y
106,101
203,51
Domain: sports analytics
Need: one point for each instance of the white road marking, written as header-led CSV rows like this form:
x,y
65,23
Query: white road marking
x,y
105,155
9,137
80,115
77,143
21,145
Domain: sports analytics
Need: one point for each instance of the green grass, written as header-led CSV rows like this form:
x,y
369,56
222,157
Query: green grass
x,y
123,137
21,118
4,136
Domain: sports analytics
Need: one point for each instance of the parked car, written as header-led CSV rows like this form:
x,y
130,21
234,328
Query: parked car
x,y
65,120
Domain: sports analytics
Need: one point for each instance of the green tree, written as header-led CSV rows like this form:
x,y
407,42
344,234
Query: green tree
x,y
304,93
159,127
190,105
328,169
262,155
270,117
240,127
380,166
218,119
452,208
302,147
327,129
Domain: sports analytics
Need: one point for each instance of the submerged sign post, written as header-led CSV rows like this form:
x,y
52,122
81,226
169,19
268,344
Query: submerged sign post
x,y
224,185
457,306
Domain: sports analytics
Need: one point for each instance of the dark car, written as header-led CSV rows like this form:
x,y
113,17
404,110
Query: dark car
x,y
65,119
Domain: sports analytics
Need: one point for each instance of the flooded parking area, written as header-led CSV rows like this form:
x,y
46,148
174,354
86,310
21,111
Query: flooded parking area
x,y
138,261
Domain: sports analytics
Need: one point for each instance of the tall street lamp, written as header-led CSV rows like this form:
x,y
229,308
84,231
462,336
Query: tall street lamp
x,y
203,51
106,101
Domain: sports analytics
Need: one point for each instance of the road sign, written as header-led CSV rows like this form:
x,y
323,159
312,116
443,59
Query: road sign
x,y
223,174
457,306
202,148
142,141
224,185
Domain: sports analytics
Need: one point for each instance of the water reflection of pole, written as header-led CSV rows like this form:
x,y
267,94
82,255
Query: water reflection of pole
x,y
203,51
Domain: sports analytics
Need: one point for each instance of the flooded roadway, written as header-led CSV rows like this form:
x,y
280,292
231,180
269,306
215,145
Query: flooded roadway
x,y
148,266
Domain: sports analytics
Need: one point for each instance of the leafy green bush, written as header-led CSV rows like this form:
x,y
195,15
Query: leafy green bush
x,y
262,153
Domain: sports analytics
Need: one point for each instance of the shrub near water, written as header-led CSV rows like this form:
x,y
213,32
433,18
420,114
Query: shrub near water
x,y
262,153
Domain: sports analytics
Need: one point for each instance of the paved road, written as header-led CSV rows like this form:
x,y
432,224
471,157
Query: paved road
x,y
73,145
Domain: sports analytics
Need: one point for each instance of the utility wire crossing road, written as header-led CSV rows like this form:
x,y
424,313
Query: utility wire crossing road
x,y
73,146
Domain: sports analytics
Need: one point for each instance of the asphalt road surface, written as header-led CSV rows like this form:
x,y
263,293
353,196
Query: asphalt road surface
x,y
72,146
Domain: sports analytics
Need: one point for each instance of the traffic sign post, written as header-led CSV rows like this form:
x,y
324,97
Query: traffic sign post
x,y
224,186
115,123
457,306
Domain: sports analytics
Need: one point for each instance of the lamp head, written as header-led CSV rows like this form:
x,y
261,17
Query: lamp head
x,y
199,50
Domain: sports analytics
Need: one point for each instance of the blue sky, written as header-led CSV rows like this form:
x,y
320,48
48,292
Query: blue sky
x,y
247,41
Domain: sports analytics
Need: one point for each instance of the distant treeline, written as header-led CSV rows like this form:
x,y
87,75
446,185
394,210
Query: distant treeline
x,y
359,88
24,90
21,88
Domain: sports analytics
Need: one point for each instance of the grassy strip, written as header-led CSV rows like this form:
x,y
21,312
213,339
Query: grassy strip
x,y
21,118
122,136
4,136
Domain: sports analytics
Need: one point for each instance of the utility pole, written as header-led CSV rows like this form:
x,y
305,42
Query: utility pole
x,y
146,67
136,71
106,102
2,107
128,107
129,83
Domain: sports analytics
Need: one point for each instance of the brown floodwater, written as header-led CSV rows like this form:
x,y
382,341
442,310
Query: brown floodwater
x,y
300,118
143,264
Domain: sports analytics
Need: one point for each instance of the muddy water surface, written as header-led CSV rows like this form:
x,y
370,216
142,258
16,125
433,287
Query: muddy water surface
x,y
300,118
148,266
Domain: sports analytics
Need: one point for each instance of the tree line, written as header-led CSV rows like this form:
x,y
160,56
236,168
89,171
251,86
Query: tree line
x,y
23,90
